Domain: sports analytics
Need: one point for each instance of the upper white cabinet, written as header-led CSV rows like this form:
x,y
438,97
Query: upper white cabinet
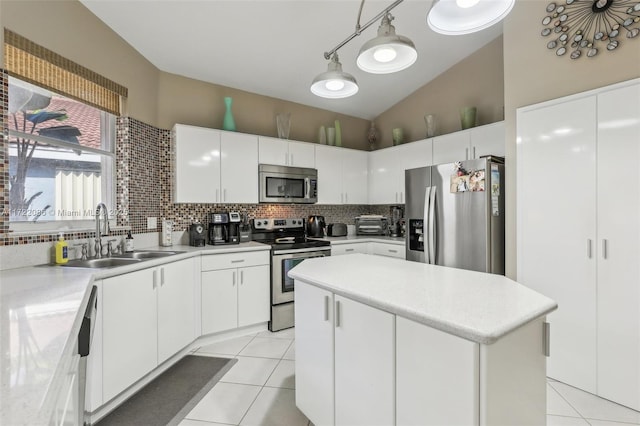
x,y
214,166
387,167
578,178
342,175
284,152
470,144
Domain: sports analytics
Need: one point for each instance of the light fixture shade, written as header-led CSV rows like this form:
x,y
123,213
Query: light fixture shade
x,y
455,17
387,52
334,83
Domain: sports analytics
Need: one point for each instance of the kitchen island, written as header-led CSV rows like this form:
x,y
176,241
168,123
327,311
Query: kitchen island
x,y
386,341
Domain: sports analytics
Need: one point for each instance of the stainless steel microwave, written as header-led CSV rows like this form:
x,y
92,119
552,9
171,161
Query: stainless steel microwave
x,y
282,184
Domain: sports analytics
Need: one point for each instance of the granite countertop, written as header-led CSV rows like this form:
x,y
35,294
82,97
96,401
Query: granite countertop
x,y
476,306
364,239
41,309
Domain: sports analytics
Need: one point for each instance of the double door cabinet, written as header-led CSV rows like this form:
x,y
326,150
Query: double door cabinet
x,y
578,192
359,365
470,144
377,248
342,175
235,290
283,152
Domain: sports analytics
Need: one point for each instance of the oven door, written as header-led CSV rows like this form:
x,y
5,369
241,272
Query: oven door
x,y
281,284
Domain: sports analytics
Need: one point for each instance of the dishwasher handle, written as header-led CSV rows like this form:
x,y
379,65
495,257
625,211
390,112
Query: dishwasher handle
x,y
88,321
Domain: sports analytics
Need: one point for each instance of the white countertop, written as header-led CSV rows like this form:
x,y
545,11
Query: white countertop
x,y
41,308
476,306
364,239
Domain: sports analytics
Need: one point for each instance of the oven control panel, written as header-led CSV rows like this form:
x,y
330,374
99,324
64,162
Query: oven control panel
x,y
273,224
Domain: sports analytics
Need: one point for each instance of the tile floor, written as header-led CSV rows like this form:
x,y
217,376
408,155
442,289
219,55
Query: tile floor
x,y
260,390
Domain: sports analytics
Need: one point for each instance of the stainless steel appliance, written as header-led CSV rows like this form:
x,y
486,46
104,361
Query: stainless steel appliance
x,y
337,230
397,215
455,215
315,226
197,235
371,225
282,184
289,246
224,228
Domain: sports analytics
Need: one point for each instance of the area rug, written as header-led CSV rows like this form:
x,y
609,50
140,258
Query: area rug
x,y
171,395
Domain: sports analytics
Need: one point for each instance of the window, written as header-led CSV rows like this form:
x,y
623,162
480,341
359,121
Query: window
x,y
61,159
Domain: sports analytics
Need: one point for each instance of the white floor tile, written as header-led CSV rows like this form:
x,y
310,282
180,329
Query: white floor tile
x,y
274,407
266,347
250,371
566,421
287,333
225,403
187,422
556,405
283,376
591,407
229,347
291,352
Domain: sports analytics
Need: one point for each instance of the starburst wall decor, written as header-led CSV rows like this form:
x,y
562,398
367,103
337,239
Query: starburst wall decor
x,y
587,27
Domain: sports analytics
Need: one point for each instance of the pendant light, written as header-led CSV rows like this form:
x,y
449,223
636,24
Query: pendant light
x,y
455,17
334,83
388,52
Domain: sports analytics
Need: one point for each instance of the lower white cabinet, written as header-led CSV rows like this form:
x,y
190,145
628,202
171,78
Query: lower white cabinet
x,y
147,316
386,249
344,360
349,248
234,296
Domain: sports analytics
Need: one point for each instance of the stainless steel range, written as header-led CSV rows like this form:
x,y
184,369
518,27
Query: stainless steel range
x,y
289,246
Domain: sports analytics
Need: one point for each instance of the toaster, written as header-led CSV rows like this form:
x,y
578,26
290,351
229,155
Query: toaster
x,y
371,225
337,230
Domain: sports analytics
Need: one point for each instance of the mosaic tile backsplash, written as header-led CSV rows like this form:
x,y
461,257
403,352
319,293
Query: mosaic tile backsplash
x,y
143,187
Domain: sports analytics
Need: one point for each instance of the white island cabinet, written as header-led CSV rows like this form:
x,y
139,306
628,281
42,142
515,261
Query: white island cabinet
x,y
378,342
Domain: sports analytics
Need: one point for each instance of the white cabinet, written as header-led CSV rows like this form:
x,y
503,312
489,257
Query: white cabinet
x,y
213,166
142,313
342,175
235,290
470,144
387,167
426,356
387,249
578,162
349,248
345,371
285,152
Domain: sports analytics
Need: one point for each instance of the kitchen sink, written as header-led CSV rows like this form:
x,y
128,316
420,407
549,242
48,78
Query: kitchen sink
x,y
105,262
147,254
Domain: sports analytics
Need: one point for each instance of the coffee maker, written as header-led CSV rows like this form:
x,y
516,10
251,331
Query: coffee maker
x,y
224,228
397,218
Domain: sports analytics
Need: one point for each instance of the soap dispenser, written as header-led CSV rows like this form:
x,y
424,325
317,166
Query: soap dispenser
x,y
128,243
62,250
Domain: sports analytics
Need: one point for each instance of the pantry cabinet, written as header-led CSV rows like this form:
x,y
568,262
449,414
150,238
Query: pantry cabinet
x,y
470,144
214,166
578,173
235,290
387,167
342,175
284,152
147,316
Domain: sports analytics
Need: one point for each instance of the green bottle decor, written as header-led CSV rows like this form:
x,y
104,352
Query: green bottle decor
x,y
228,123
338,133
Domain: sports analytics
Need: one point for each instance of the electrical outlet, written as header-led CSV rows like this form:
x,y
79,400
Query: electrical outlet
x,y
152,223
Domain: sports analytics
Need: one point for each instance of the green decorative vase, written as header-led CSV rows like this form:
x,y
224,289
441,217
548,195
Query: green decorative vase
x,y
467,117
228,123
338,133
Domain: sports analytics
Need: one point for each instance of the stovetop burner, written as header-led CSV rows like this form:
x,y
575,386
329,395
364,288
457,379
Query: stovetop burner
x,y
284,234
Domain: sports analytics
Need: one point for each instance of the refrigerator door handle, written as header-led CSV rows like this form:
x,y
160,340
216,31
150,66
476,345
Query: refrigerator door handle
x,y
432,225
425,221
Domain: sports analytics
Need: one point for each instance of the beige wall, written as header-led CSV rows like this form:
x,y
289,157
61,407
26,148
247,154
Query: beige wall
x,y
533,74
475,81
187,101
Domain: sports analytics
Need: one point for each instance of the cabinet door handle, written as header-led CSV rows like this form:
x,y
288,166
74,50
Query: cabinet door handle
x,y
337,314
326,308
346,198
474,153
393,251
342,197
217,195
224,194
234,278
346,250
161,276
291,163
466,153
155,279
589,251
396,197
604,249
241,277
401,197
237,261
286,159
546,338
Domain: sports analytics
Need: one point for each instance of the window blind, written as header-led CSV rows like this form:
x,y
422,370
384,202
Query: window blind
x,y
35,64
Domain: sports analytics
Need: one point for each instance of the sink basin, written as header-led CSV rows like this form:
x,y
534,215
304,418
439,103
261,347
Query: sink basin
x,y
147,254
105,262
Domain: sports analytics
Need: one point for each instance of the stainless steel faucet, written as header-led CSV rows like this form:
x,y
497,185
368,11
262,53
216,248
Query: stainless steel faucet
x,y
102,229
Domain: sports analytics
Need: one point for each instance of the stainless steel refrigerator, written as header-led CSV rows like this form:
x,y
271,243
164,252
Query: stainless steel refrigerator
x,y
454,214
